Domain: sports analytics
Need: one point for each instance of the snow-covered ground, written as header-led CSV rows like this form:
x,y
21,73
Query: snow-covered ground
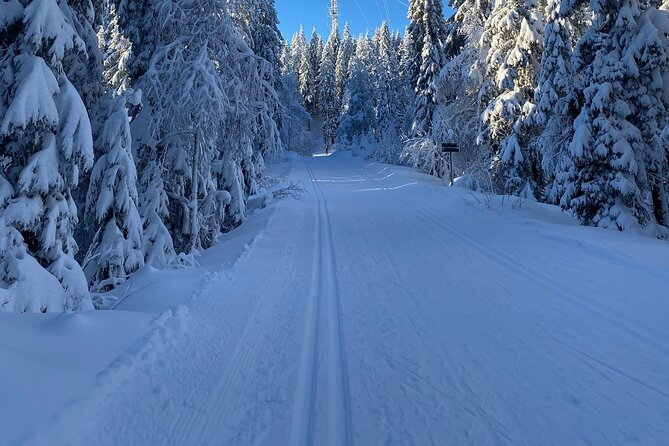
x,y
381,308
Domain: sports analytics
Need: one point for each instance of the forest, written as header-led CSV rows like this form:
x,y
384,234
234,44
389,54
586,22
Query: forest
x,y
133,133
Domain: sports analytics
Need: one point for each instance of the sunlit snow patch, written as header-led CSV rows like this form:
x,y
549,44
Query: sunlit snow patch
x,y
401,186
322,154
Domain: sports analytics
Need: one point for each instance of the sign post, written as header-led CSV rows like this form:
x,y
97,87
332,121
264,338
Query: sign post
x,y
450,148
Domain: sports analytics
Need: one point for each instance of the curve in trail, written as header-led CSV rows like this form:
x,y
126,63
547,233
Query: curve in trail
x,y
322,412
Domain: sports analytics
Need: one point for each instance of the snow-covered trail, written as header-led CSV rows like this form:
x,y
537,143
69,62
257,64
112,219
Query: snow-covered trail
x,y
384,309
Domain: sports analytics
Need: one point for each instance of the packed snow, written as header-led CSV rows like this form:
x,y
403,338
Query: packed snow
x,y
201,243
378,307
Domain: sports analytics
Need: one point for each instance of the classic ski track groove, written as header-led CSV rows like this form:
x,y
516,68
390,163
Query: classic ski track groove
x,y
325,286
302,423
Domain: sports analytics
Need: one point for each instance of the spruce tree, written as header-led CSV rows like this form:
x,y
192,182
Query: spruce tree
x,y
428,29
388,94
46,135
343,60
512,40
614,153
358,122
329,95
116,250
315,55
556,95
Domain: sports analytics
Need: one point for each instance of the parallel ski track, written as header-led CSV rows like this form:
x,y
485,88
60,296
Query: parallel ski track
x,y
325,306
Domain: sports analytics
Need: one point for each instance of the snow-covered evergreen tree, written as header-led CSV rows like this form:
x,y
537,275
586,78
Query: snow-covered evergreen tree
x,y
428,34
556,95
358,122
389,101
316,49
140,26
117,50
305,71
293,54
210,113
117,247
607,177
46,133
25,286
512,41
260,22
461,81
328,92
297,119
328,99
414,38
408,91
344,56
157,246
647,60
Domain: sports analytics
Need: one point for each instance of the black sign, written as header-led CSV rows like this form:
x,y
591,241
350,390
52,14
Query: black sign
x,y
449,147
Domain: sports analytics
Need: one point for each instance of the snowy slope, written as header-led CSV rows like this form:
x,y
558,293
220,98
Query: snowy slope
x,y
383,308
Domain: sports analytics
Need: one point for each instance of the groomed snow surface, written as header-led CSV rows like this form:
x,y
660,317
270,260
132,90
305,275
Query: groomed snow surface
x,y
380,308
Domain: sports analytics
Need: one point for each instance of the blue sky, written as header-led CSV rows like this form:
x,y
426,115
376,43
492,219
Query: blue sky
x,y
361,15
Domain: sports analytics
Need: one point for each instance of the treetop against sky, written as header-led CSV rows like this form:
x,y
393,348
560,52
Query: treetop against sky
x,y
361,15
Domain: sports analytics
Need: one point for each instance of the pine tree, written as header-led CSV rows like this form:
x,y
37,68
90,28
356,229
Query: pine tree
x,y
185,89
647,60
294,54
297,120
260,21
26,285
140,26
414,40
328,99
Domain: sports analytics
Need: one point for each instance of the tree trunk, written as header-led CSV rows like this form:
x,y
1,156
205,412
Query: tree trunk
x,y
194,217
660,201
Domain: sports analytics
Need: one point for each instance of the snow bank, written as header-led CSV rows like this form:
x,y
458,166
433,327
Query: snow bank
x,y
53,363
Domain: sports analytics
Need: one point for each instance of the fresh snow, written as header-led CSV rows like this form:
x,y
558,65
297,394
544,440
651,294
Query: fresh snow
x,y
379,308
